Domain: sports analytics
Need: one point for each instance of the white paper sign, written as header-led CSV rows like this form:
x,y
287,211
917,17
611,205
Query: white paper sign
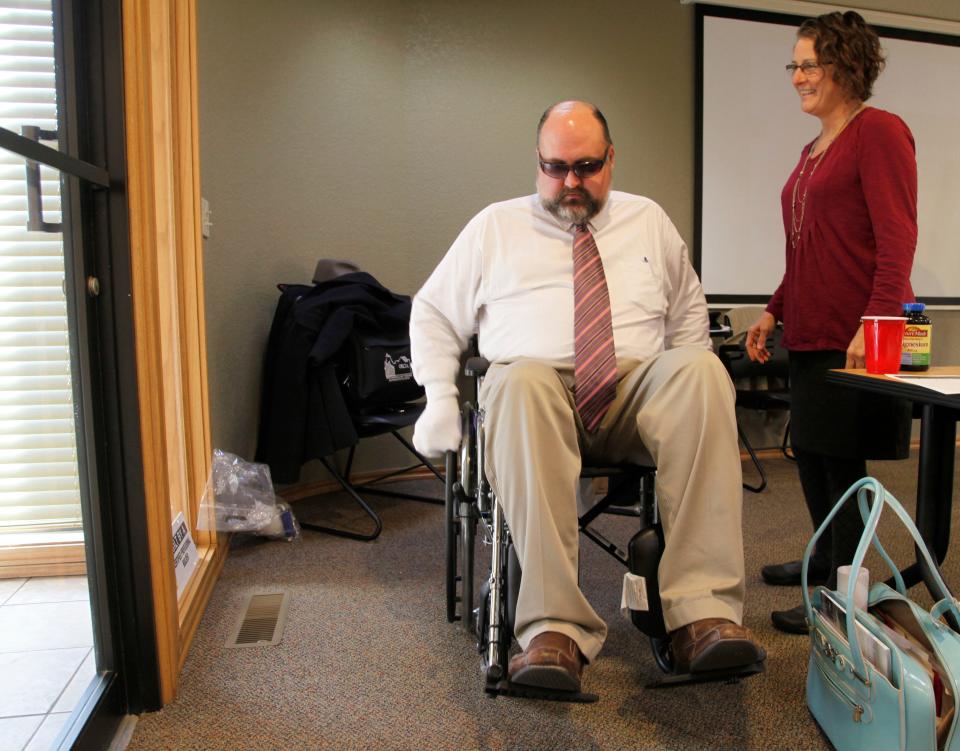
x,y
634,595
184,552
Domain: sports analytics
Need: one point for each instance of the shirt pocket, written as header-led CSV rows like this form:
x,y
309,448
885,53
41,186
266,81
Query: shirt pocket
x,y
636,289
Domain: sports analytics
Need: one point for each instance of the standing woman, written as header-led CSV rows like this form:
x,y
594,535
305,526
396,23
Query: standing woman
x,y
850,218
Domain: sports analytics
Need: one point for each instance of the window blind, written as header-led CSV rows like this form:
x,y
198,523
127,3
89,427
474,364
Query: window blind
x,y
39,484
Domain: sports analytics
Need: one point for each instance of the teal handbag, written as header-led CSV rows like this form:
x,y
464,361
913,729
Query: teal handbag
x,y
884,678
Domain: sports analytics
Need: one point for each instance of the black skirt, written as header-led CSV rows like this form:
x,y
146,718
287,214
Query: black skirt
x,y
840,421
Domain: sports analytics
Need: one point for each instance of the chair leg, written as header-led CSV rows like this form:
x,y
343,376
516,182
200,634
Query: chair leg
x,y
367,486
363,504
423,460
756,463
785,448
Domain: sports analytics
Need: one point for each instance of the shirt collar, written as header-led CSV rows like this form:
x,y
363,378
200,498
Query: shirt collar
x,y
602,219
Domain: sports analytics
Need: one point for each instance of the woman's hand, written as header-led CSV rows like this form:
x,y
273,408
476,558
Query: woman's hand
x,y
856,355
758,334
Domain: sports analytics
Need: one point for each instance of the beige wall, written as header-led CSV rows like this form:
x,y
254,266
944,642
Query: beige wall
x,y
373,130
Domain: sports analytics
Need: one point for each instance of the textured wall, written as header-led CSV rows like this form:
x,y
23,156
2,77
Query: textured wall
x,y
373,130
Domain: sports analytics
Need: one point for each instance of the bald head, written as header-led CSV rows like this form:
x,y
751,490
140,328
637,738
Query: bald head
x,y
573,108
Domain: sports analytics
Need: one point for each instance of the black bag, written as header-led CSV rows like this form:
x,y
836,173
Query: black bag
x,y
377,370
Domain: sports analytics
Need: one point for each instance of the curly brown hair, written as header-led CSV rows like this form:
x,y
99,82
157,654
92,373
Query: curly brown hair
x,y
845,40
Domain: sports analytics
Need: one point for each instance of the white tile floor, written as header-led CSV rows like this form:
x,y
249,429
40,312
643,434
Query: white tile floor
x,y
46,657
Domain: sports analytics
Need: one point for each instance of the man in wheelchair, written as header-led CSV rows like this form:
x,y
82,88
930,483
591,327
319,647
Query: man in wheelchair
x,y
596,329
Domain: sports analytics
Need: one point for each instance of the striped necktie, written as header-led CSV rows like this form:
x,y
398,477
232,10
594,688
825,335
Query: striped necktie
x,y
595,368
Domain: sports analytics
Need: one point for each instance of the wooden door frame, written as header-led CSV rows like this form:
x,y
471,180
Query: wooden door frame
x,y
163,167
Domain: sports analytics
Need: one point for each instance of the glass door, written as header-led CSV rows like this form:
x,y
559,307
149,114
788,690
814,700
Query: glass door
x,y
68,455
48,653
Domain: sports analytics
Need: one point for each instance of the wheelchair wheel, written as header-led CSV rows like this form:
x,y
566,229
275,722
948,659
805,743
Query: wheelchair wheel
x,y
495,671
461,523
452,529
468,533
468,512
661,653
483,616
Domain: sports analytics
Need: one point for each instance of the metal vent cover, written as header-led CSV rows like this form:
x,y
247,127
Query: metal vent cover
x,y
262,621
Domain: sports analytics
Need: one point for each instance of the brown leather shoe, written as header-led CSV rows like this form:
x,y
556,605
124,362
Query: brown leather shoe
x,y
713,644
552,661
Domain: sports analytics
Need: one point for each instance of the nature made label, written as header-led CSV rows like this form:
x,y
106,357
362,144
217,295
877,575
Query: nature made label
x,y
916,344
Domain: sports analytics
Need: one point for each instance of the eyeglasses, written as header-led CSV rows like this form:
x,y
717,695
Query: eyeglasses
x,y
807,68
583,168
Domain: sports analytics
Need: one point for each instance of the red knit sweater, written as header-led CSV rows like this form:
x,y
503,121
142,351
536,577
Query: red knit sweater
x,y
858,237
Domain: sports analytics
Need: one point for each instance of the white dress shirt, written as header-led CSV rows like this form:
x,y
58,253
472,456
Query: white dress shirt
x,y
509,277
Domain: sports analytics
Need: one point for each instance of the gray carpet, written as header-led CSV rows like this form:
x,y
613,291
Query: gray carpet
x,y
368,660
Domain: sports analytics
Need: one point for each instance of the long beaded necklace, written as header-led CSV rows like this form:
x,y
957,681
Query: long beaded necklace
x,y
796,217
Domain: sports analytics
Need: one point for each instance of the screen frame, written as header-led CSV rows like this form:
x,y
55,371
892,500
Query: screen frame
x,y
702,12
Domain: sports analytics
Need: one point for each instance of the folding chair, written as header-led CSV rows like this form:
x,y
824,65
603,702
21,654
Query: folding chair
x,y
775,397
369,423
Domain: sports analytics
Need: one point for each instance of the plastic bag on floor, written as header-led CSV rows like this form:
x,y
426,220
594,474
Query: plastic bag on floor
x,y
239,497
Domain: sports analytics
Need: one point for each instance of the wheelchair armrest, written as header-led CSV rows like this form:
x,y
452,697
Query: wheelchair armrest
x,y
730,352
476,366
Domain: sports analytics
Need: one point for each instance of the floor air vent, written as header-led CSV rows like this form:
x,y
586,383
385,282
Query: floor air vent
x,y
262,622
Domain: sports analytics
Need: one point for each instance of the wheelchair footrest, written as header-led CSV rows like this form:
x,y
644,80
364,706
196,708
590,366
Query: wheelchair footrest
x,y
506,688
730,675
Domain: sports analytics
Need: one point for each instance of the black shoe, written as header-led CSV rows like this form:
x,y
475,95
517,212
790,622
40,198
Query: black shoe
x,y
788,574
793,621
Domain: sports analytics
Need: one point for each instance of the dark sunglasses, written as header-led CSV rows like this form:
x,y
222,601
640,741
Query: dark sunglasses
x,y
582,169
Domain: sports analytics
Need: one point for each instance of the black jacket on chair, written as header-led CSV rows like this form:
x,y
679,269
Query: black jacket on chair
x,y
304,414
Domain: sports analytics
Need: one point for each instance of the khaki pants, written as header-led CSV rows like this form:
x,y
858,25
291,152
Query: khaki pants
x,y
677,408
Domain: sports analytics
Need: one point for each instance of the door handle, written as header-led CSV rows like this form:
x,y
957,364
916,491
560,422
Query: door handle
x,y
35,220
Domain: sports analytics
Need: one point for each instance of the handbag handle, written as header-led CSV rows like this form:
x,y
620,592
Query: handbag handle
x,y
869,489
941,607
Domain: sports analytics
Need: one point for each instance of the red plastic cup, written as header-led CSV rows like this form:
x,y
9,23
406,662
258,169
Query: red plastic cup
x,y
883,337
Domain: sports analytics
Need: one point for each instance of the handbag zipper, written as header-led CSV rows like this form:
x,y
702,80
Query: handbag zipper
x,y
857,709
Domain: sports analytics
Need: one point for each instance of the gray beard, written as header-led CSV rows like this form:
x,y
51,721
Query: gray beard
x,y
572,214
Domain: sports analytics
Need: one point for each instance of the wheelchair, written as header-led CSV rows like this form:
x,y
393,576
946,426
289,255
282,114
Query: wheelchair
x,y
474,520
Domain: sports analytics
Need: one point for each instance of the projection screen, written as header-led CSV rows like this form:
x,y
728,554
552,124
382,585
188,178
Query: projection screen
x,y
751,131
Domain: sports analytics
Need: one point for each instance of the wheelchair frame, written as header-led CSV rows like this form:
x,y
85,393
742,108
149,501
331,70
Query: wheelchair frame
x,y
471,507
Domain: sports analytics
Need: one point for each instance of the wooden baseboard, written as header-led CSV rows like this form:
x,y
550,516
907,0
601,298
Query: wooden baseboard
x,y
320,487
23,561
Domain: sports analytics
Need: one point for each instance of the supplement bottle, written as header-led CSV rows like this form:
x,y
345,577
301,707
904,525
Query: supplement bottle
x,y
916,338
